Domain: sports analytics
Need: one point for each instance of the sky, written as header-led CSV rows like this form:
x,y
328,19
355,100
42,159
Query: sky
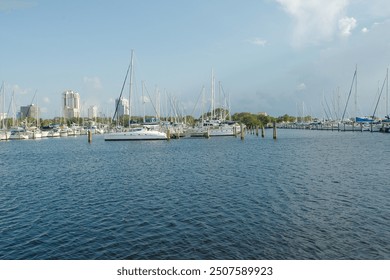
x,y
276,56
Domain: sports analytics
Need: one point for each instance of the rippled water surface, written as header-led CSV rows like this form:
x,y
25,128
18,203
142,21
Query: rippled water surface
x,y
307,195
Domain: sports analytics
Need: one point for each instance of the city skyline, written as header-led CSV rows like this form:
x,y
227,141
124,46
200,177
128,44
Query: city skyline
x,y
275,56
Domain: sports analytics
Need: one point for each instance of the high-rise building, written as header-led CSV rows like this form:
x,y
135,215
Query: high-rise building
x,y
122,108
71,104
31,111
92,112
3,116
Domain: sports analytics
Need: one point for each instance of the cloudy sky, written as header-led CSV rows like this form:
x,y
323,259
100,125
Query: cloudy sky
x,y
274,56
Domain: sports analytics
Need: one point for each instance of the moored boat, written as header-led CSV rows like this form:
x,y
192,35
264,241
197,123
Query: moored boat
x,y
136,134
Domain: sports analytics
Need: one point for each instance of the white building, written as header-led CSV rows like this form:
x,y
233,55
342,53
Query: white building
x,y
3,116
122,108
71,104
92,112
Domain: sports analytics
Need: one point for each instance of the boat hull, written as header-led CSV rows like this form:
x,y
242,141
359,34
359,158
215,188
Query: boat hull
x,y
135,136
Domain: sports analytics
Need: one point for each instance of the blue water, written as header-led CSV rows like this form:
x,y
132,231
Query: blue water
x,y
307,195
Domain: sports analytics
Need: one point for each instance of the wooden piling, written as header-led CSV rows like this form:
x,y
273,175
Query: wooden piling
x,y
257,130
274,134
168,134
262,131
89,136
207,134
242,132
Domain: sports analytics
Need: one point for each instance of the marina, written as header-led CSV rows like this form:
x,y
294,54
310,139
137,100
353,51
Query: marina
x,y
191,133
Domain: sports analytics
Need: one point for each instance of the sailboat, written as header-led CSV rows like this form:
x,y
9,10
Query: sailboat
x,y
217,124
137,133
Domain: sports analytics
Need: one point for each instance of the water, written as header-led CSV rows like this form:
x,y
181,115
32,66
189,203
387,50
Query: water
x,y
307,195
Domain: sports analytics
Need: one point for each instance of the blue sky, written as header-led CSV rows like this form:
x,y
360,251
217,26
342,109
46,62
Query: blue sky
x,y
274,56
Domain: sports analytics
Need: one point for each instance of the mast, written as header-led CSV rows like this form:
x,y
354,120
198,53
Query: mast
x,y
131,83
202,105
143,101
221,114
356,94
212,93
387,92
385,81
349,95
3,107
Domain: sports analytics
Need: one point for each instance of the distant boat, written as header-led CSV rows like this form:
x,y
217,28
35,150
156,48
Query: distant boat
x,y
364,119
4,134
34,133
55,132
18,134
217,124
215,128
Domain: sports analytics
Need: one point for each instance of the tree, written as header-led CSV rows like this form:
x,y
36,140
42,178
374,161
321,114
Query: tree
x,y
248,119
285,118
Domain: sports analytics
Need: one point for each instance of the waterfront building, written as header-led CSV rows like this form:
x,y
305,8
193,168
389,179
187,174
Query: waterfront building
x,y
3,116
71,104
31,111
122,107
92,112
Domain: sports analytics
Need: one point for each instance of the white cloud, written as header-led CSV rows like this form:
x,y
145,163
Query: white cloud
x,y
258,42
346,25
301,87
18,89
46,100
365,30
93,83
314,20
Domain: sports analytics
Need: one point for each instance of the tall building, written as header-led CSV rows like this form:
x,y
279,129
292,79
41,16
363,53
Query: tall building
x,y
122,108
71,104
3,116
31,111
92,112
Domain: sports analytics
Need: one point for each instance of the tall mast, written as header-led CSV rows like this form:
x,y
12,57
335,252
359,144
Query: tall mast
x,y
221,116
356,93
387,92
212,93
202,105
349,95
131,83
143,101
3,109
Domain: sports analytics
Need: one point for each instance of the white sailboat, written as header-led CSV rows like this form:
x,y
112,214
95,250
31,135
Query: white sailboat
x,y
137,133
217,124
